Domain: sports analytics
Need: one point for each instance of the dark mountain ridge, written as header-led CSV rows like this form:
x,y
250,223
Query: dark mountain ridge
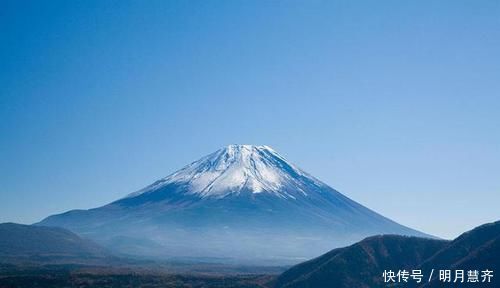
x,y
27,243
362,264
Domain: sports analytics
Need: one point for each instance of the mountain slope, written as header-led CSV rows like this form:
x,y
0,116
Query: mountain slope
x,y
25,242
468,244
362,264
241,202
478,249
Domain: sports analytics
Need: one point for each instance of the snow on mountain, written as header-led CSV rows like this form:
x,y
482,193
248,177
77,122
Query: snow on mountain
x,y
235,168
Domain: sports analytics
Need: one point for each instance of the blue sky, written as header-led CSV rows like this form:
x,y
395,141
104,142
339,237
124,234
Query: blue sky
x,y
394,103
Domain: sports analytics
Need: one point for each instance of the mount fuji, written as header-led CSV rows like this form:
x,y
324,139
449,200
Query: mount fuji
x,y
242,203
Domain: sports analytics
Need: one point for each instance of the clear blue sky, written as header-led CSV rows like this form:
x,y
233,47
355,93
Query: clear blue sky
x,y
394,103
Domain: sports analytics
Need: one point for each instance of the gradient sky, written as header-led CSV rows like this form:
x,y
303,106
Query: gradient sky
x,y
394,103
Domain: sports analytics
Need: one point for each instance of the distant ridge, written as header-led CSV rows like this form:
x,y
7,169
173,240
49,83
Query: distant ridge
x,y
34,243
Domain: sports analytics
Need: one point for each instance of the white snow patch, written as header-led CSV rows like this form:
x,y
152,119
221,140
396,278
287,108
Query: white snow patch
x,y
236,168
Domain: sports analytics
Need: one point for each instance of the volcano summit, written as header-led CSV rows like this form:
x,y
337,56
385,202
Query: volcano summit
x,y
241,203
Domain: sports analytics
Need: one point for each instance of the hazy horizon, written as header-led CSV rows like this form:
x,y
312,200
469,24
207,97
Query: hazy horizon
x,y
393,104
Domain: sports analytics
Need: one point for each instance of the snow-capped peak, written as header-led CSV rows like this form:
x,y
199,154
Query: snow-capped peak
x,y
233,169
